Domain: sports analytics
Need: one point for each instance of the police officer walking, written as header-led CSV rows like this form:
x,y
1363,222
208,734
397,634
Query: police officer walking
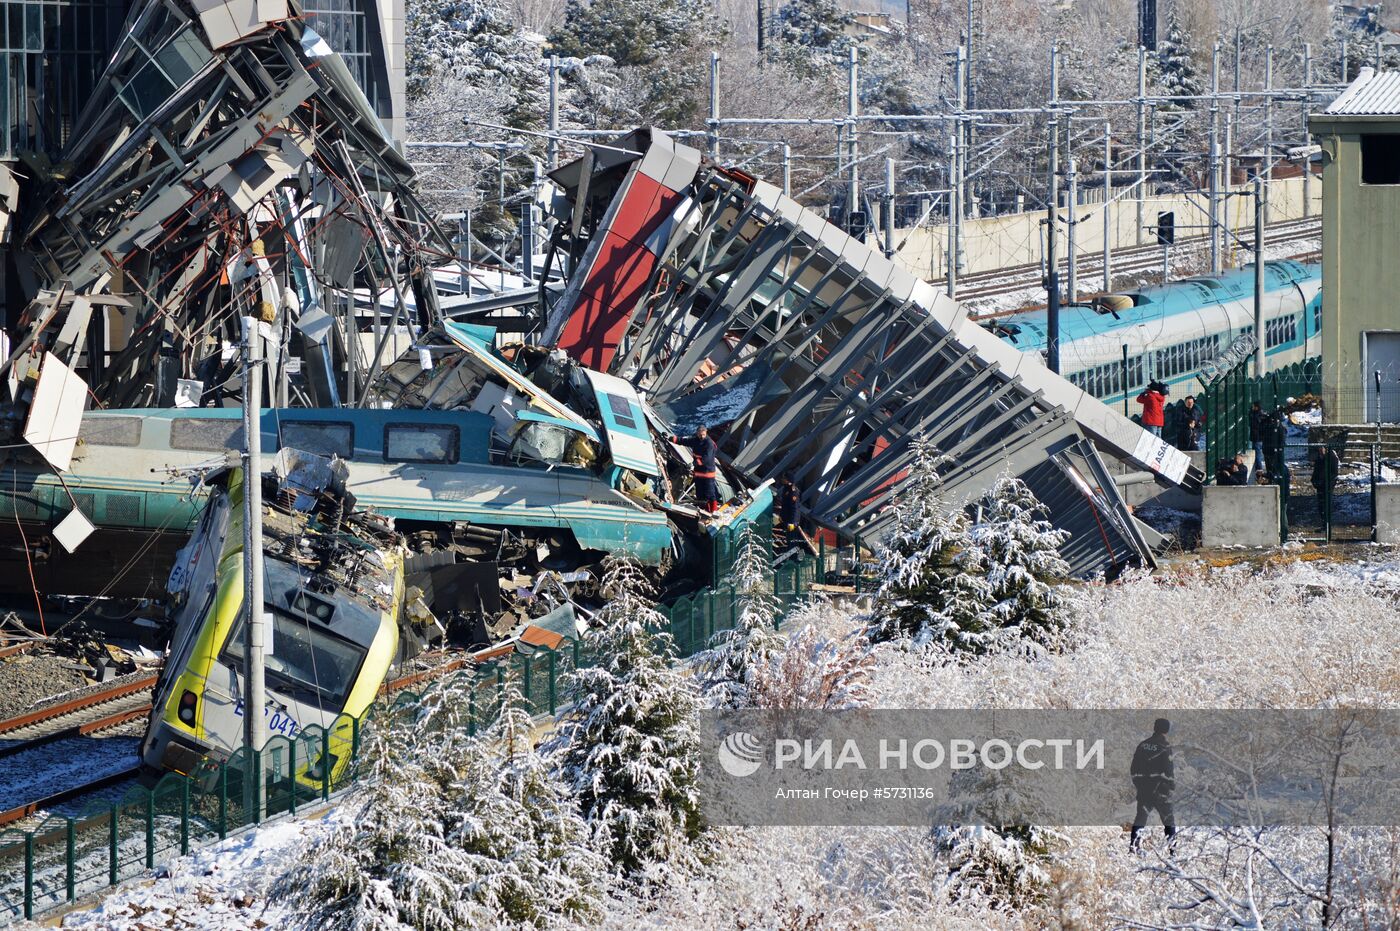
x,y
704,469
1154,779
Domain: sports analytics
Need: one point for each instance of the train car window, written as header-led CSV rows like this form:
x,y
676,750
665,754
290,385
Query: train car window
x,y
319,437
111,431
306,662
206,433
1380,158
420,443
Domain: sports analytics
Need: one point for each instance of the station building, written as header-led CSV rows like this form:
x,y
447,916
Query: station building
x,y
1360,139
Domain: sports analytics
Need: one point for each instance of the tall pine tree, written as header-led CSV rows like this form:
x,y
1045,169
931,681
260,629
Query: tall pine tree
x,y
628,748
1176,72
1014,554
918,576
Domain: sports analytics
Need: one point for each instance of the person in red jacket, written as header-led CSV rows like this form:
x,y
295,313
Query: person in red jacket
x,y
704,469
1152,401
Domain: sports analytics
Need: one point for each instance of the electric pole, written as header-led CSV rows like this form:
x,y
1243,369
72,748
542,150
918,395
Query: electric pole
x,y
254,636
1259,335
1052,270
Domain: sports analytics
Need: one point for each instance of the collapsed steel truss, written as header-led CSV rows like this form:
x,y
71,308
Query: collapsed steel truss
x,y
228,165
735,307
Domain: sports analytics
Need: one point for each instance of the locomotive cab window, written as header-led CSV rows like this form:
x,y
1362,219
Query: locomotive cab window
x,y
420,443
306,662
1380,158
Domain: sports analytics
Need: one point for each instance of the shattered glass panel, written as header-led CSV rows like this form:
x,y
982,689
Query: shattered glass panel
x,y
420,444
207,434
172,66
323,439
111,431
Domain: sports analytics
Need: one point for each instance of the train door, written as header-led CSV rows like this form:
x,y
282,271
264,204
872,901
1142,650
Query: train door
x,y
1382,353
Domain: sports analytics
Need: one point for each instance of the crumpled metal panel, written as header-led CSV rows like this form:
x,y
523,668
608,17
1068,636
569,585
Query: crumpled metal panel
x,y
812,355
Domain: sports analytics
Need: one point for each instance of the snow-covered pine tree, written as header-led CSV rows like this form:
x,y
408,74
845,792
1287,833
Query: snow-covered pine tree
x,y
740,656
1016,554
391,865
1176,71
659,44
915,562
527,854
628,747
812,36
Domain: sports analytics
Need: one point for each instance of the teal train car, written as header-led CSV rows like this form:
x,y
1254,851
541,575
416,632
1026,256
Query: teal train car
x,y
1113,346
136,477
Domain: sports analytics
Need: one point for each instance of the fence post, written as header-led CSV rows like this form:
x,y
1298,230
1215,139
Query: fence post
x,y
553,676
355,739
292,778
112,847
1374,466
184,816
527,680
28,875
223,800
325,764
151,829
71,844
821,558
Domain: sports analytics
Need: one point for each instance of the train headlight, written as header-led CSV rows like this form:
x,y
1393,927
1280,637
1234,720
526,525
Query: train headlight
x,y
188,700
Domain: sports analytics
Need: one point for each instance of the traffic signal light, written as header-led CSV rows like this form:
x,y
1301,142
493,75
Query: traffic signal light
x,y
1166,228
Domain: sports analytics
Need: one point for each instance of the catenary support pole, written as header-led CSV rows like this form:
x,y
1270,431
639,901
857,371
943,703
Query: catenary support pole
x,y
1213,168
1071,223
1142,146
887,208
714,105
1107,206
1052,265
1260,337
1307,136
852,111
1268,166
553,144
254,636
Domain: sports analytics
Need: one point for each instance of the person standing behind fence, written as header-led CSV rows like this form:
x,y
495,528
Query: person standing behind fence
x,y
1274,436
704,469
1258,430
1153,400
1193,419
1326,465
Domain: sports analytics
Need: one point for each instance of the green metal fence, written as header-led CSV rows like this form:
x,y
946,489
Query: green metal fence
x,y
65,857
1227,402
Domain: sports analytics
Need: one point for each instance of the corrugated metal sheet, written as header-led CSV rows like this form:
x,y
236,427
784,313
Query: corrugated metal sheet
x,y
1370,94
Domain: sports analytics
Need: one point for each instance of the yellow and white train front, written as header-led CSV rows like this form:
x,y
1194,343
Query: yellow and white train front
x,y
327,654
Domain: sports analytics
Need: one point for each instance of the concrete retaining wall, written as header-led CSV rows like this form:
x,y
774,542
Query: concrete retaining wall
x,y
1244,515
1017,239
1388,514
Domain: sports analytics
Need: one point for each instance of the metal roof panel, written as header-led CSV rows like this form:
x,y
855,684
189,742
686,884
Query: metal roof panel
x,y
1371,93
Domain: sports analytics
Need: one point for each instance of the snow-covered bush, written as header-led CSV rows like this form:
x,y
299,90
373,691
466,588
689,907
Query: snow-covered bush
x,y
392,865
740,656
915,564
450,830
628,747
527,853
1005,867
814,671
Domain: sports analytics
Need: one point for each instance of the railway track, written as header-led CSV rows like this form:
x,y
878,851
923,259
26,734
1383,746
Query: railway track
x,y
1125,261
48,756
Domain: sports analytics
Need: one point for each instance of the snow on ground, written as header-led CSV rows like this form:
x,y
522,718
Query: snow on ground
x,y
217,888
1302,635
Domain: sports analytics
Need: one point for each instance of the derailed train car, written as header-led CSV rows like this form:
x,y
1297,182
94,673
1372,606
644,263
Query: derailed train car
x,y
474,457
334,593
